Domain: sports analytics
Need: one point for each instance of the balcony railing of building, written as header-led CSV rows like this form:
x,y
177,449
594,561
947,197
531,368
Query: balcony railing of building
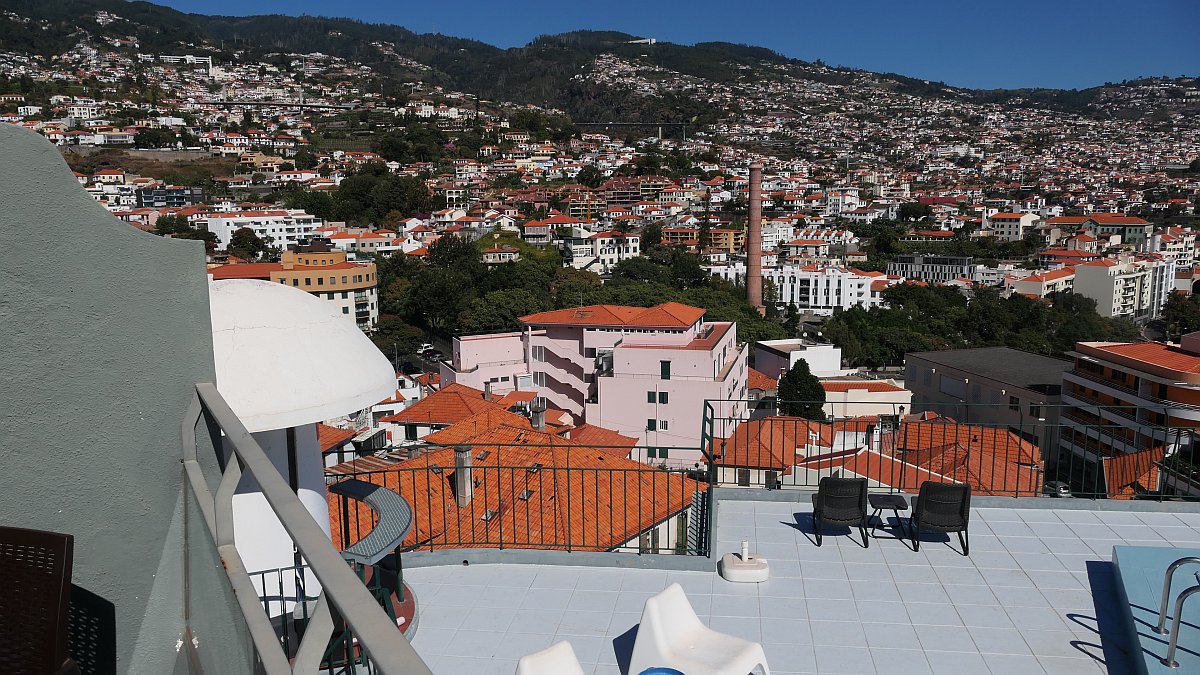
x,y
996,449
517,497
221,605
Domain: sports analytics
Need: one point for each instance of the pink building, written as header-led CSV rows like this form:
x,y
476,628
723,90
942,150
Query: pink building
x,y
642,372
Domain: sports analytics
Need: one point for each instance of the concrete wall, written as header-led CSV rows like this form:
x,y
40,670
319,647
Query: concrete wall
x,y
99,365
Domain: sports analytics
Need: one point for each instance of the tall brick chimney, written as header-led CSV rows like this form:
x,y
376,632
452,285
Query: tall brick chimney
x,y
754,240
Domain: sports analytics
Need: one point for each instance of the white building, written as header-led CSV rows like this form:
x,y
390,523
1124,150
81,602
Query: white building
x,y
773,358
1130,287
810,288
283,227
599,252
1010,226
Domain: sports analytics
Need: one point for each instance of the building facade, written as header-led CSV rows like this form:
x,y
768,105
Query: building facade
x,y
811,288
932,268
642,372
1131,287
1125,398
990,385
322,271
282,227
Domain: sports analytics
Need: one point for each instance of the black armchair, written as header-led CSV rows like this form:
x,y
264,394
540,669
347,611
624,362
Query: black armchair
x,y
942,507
36,568
841,501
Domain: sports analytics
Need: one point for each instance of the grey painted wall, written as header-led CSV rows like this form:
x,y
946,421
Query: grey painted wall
x,y
105,330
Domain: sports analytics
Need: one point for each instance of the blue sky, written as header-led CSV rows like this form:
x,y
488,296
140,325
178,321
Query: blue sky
x,y
974,43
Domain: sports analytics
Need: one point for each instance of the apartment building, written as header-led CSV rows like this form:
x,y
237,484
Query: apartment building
x,y
599,252
1124,398
1011,226
323,271
282,227
820,290
990,385
1134,287
642,372
168,196
932,268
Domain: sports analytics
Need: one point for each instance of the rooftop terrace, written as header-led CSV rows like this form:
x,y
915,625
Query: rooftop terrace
x,y
1036,594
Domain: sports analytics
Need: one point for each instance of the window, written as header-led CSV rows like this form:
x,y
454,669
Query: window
x,y
1035,410
664,370
650,398
589,352
345,295
343,280
662,397
320,281
539,353
539,379
651,425
307,281
1014,403
662,425
662,453
296,282
743,477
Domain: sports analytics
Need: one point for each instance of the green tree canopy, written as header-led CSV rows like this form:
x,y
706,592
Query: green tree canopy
x,y
245,244
801,393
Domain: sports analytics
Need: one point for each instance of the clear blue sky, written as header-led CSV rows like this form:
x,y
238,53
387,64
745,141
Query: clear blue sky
x,y
974,43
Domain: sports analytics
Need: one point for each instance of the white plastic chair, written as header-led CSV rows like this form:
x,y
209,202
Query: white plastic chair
x,y
672,636
557,659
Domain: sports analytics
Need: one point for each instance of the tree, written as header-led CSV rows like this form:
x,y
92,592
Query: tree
x,y
590,176
245,244
651,235
305,160
499,310
171,225
910,211
155,138
1181,314
801,393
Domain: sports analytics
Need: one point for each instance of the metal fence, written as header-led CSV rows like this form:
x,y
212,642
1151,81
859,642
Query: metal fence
x,y
1017,450
535,497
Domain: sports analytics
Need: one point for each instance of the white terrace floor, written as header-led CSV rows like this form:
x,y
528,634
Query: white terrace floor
x,y
1022,603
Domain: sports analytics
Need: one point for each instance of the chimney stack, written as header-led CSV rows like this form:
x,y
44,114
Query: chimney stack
x,y
464,485
487,391
538,415
754,240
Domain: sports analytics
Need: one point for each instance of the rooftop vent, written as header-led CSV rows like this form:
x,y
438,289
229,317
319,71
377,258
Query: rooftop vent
x,y
436,469
489,515
525,495
483,454
535,467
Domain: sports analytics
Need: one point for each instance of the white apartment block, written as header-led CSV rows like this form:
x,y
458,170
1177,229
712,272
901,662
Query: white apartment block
x,y
932,268
1134,288
283,227
601,251
820,290
1011,226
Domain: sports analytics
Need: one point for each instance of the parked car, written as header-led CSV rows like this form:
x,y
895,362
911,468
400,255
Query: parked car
x,y
1056,488
424,348
434,355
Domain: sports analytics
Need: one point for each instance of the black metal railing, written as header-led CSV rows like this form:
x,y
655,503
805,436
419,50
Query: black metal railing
x,y
539,497
1094,450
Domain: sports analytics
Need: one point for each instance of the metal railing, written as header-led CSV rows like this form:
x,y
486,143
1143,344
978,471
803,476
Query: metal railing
x,y
538,497
380,647
995,448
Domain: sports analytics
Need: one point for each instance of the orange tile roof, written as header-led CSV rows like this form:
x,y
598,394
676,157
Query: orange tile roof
x,y
449,405
580,498
244,271
330,437
665,315
602,439
760,381
1158,354
771,443
474,425
1132,474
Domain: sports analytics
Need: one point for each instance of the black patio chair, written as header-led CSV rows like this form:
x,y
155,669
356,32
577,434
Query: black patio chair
x,y
841,501
942,507
36,569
